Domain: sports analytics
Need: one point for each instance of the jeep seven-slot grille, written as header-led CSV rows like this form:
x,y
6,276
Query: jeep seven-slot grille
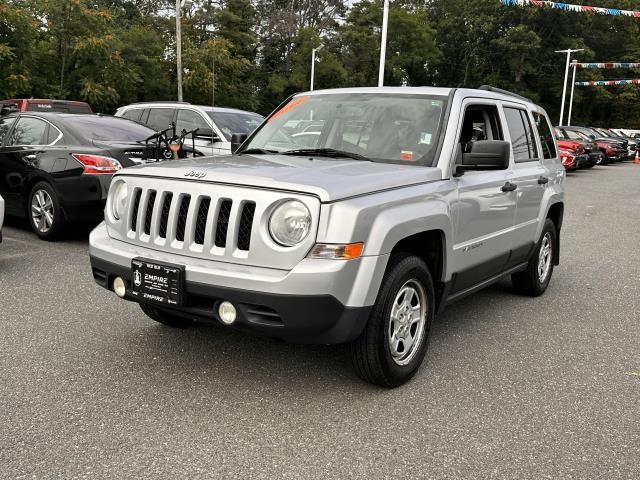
x,y
196,220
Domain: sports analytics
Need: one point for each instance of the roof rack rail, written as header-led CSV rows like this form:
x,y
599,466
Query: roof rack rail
x,y
489,88
160,101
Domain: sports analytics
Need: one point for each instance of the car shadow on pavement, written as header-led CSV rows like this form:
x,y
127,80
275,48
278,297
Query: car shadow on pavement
x,y
244,361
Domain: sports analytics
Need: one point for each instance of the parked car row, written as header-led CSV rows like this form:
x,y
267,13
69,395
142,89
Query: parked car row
x,y
584,147
57,157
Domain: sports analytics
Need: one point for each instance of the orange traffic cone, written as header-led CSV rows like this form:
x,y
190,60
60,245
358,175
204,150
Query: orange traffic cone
x,y
637,159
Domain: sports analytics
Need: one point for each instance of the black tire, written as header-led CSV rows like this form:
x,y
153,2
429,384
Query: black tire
x,y
42,190
371,352
166,318
529,281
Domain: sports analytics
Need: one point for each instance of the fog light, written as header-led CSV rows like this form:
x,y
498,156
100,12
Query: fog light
x,y
119,287
227,313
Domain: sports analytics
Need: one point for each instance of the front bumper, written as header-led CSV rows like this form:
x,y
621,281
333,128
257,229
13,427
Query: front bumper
x,y
319,301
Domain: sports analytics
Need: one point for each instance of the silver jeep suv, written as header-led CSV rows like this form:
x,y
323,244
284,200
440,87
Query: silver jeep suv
x,y
349,215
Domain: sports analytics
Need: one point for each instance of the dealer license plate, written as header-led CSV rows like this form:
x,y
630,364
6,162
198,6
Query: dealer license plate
x,y
157,282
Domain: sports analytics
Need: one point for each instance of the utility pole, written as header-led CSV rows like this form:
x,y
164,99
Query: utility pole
x,y
213,80
566,76
313,64
179,48
573,87
383,44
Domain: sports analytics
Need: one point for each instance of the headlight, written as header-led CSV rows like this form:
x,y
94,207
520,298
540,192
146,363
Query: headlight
x,y
118,199
290,223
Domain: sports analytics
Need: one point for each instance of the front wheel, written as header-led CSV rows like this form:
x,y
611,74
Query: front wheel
x,y
392,347
534,280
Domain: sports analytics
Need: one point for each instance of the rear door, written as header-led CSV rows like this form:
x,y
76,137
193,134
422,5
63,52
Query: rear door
x,y
528,175
484,213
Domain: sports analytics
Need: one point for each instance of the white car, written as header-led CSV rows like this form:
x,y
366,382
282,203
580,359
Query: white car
x,y
1,216
215,125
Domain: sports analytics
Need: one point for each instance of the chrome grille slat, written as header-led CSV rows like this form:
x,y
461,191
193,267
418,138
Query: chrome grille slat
x,y
232,229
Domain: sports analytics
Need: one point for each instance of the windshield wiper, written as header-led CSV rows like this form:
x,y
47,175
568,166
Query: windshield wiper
x,y
259,151
327,152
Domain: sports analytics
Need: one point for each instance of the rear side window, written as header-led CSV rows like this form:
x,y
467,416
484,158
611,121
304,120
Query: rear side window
x,y
133,114
522,139
160,118
29,131
546,137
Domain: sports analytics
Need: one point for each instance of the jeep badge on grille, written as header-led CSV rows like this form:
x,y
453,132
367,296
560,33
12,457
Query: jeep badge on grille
x,y
195,174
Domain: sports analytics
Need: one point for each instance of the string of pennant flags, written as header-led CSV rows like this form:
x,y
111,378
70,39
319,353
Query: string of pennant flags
x,y
607,83
606,65
571,8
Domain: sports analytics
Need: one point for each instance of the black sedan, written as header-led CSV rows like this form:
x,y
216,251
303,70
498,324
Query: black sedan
x,y
56,168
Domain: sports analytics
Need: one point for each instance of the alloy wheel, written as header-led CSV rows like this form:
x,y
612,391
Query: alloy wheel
x,y
544,258
407,322
42,211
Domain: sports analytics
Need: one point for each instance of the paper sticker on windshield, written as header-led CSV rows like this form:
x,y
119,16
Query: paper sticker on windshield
x,y
406,155
296,102
425,138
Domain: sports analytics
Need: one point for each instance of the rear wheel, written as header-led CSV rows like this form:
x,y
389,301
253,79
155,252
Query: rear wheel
x,y
44,212
393,345
166,318
534,280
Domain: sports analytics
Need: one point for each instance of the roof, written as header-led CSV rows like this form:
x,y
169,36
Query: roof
x,y
207,108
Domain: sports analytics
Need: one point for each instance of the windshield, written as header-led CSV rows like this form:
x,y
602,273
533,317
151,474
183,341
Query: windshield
x,y
111,129
388,128
236,122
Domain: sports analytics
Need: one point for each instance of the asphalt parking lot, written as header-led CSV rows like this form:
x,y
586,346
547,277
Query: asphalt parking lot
x,y
512,387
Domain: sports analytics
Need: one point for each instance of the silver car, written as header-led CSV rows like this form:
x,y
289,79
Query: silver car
x,y
215,125
397,202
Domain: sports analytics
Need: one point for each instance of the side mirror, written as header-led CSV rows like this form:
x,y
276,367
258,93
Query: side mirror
x,y
205,133
237,139
486,155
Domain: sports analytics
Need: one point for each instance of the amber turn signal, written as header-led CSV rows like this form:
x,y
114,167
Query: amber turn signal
x,y
348,251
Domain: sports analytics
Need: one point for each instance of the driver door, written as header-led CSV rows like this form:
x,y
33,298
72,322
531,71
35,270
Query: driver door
x,y
484,212
189,120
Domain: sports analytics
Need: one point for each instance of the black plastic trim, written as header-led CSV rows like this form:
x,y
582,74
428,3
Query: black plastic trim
x,y
318,319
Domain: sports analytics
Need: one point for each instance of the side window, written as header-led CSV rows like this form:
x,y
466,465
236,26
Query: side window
x,y
189,120
481,122
133,114
522,140
546,137
5,126
160,118
29,131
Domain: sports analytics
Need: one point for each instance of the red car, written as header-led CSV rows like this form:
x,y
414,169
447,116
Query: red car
x,y
569,160
43,105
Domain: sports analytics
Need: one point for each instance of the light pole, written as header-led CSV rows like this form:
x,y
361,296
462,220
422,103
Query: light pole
x,y
180,4
566,76
383,43
313,64
573,87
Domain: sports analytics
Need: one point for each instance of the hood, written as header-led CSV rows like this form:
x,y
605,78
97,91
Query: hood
x,y
570,144
327,178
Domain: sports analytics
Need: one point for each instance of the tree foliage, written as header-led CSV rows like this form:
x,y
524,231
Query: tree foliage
x,y
114,52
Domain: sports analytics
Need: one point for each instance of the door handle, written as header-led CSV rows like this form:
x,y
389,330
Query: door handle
x,y
509,187
543,180
31,156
